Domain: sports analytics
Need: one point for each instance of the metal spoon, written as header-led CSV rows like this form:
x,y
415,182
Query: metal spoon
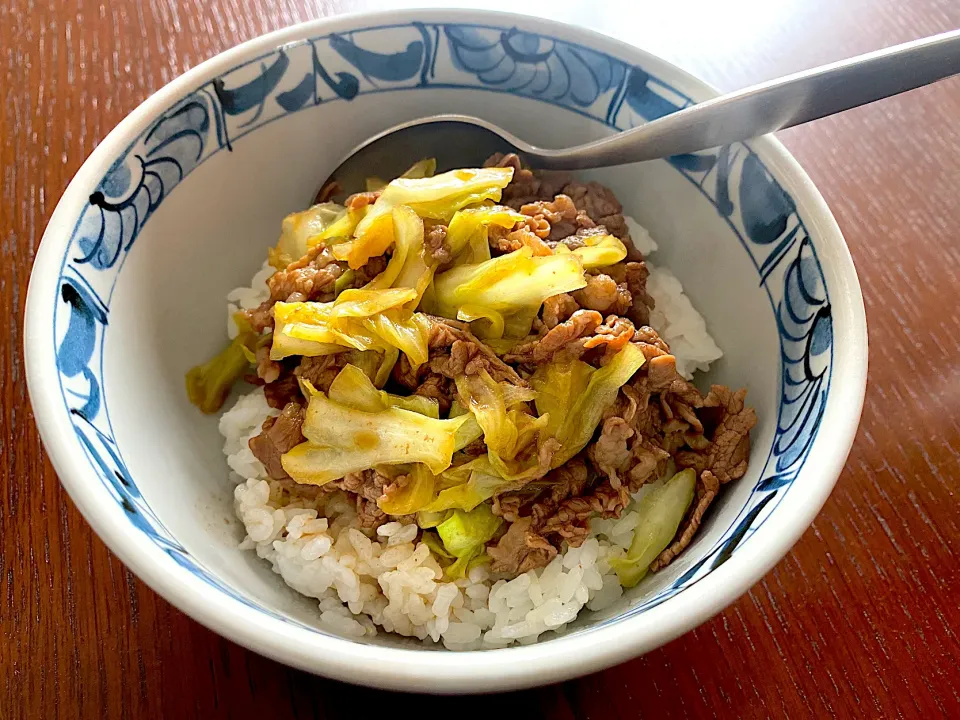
x,y
463,141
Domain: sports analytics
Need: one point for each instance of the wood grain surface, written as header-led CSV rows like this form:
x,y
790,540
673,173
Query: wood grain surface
x,y
860,620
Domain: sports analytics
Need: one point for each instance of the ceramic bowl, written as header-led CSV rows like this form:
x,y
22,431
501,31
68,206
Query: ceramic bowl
x,y
178,204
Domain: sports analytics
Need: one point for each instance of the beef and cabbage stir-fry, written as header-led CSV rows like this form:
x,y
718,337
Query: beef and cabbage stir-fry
x,y
467,358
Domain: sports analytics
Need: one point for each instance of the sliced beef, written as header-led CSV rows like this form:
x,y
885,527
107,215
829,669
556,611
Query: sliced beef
x,y
439,388
267,370
369,513
727,423
526,233
435,245
560,337
573,514
368,484
561,216
360,200
610,453
611,336
604,295
595,204
311,277
365,273
278,435
454,351
558,308
520,550
322,370
283,390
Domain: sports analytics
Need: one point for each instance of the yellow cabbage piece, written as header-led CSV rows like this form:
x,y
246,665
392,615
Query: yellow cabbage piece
x,y
661,511
558,384
481,483
407,234
209,384
341,229
514,285
421,169
436,198
412,496
299,229
431,519
364,303
440,196
465,535
358,319
342,439
489,401
352,387
598,251
433,541
491,330
587,408
377,236
467,234
509,431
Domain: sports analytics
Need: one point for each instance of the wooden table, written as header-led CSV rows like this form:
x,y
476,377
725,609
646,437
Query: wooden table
x,y
859,620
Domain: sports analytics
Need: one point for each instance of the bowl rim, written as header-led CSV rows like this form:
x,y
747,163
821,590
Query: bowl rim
x,y
442,671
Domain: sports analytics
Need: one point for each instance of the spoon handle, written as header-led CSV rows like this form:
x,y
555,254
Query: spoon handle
x,y
772,105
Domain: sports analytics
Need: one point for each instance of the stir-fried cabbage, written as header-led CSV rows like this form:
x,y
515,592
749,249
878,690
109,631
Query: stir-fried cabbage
x,y
489,402
209,384
407,232
558,384
342,439
468,232
477,482
420,169
465,534
586,409
597,251
440,196
515,285
492,329
436,198
300,228
352,387
376,238
509,430
661,511
358,319
412,496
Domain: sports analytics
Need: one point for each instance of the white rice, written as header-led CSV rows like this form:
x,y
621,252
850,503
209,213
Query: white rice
x,y
387,581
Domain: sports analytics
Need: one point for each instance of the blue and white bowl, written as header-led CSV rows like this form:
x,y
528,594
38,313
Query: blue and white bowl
x,y
179,203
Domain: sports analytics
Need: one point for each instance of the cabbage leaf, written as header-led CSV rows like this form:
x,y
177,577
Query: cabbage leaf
x,y
412,496
342,439
301,229
661,511
361,319
586,410
465,534
557,385
352,387
440,196
468,232
597,251
209,384
514,285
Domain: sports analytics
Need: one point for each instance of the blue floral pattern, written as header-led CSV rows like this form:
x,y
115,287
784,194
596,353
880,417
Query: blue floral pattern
x,y
340,67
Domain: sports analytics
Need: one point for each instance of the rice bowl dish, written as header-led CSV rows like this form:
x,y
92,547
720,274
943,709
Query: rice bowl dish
x,y
501,541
